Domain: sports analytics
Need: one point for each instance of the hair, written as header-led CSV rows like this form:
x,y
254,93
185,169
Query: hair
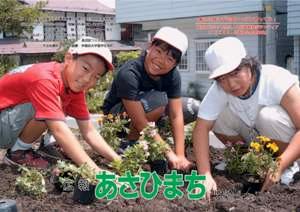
x,y
251,62
76,56
176,54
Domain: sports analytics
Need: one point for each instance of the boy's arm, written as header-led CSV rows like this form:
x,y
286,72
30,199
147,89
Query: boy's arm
x,y
176,120
96,141
201,151
67,140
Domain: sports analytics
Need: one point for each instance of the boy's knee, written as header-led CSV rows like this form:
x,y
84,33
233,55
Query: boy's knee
x,y
155,114
13,121
274,122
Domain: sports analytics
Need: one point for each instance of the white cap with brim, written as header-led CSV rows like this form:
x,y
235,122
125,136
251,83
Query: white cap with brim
x,y
224,56
90,45
173,37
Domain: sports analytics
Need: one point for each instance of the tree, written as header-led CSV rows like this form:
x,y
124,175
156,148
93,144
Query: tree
x,y
123,57
16,18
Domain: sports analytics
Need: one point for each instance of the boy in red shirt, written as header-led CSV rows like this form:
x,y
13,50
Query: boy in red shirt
x,y
37,97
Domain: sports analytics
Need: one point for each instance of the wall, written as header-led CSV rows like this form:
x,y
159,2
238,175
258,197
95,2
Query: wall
x,y
144,10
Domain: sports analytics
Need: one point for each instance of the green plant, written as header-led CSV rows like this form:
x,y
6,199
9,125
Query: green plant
x,y
111,126
17,18
123,57
6,63
31,182
188,131
146,149
95,96
133,159
87,173
257,159
157,149
67,172
165,129
60,55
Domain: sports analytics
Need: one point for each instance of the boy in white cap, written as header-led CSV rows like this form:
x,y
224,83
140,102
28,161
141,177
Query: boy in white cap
x,y
247,99
37,97
149,85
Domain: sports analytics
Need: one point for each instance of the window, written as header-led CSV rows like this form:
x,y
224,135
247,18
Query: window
x,y
183,65
201,46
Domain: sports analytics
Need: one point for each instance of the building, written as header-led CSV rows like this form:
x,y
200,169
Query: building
x,y
260,24
293,29
71,20
65,20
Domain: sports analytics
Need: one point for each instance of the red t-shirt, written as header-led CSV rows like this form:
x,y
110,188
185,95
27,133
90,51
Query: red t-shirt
x,y
42,85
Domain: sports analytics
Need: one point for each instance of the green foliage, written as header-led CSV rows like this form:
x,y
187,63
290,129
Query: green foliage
x,y
16,18
157,149
31,182
86,172
137,155
68,172
257,159
165,129
233,157
111,126
188,131
60,56
95,96
133,159
123,57
6,64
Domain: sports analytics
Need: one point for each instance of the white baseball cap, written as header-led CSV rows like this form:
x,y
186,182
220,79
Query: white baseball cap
x,y
173,37
90,45
224,56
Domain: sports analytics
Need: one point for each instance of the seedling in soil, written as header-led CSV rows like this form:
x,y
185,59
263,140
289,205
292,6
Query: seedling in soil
x,y
64,176
31,182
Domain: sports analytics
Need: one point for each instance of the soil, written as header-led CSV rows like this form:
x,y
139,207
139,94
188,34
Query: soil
x,y
228,197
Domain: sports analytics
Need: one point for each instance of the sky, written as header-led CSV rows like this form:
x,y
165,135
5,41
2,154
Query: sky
x,y
109,3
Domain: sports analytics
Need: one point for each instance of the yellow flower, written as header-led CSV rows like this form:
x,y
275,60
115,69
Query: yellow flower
x,y
100,120
263,139
110,117
255,145
273,146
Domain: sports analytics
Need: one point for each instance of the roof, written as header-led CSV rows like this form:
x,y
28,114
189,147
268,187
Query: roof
x,y
91,6
38,47
28,47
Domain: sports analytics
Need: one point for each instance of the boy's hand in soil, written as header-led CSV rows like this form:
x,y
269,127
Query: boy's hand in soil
x,y
178,162
271,179
210,186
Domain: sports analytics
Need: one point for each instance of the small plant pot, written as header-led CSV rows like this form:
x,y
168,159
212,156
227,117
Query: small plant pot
x,y
8,205
160,166
251,184
84,192
63,187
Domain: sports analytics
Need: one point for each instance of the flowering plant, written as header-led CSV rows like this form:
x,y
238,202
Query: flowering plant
x,y
31,182
112,126
157,149
257,159
137,155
